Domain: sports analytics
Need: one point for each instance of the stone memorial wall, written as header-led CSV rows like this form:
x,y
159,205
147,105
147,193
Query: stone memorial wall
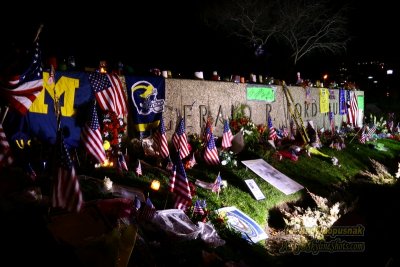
x,y
197,99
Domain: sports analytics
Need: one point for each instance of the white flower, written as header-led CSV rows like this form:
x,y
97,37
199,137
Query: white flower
x,y
247,132
224,162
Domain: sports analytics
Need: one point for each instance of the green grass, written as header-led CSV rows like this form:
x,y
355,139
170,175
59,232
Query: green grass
x,y
317,174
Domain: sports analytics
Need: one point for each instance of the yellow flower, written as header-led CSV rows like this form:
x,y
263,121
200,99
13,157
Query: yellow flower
x,y
106,145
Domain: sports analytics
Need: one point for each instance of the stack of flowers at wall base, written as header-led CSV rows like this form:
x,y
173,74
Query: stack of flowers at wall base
x,y
113,130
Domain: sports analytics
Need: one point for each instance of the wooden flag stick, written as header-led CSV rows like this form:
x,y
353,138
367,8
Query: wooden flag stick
x,y
219,185
38,33
166,200
4,115
356,134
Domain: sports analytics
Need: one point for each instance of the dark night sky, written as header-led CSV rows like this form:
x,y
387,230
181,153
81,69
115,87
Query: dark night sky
x,y
172,36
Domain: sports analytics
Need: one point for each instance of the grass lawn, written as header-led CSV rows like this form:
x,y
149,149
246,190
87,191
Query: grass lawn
x,y
376,209
315,173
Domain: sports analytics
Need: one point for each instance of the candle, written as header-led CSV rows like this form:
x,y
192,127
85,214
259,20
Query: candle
x,y
155,185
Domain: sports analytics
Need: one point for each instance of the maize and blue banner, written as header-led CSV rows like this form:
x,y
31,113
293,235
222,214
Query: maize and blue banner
x,y
74,94
146,97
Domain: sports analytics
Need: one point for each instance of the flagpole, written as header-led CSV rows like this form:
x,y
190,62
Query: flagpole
x,y
219,186
38,33
166,200
356,134
4,115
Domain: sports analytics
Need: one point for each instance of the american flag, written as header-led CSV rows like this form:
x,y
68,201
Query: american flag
x,y
272,133
22,90
352,114
285,132
217,184
192,161
136,204
148,211
371,131
122,166
363,136
390,125
170,165
182,202
5,150
199,207
207,130
160,138
66,189
109,92
30,172
139,168
332,121
211,152
91,137
172,179
179,140
226,136
181,187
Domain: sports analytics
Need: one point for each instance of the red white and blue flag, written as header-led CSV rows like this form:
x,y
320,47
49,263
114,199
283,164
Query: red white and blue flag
x,y
272,133
352,114
217,184
180,141
181,187
5,150
66,189
207,130
160,138
199,207
226,136
122,165
139,168
91,137
21,90
211,153
172,179
148,211
109,92
371,131
363,136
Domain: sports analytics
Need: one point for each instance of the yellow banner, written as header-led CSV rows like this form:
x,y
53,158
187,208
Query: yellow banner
x,y
323,100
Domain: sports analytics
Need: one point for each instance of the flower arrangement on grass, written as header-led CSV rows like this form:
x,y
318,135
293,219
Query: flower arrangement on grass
x,y
228,158
241,122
